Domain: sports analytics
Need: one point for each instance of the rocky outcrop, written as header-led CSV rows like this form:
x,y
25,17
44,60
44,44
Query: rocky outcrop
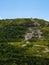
x,y
33,33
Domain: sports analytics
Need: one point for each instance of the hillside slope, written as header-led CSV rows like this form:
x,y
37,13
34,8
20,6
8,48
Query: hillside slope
x,y
24,41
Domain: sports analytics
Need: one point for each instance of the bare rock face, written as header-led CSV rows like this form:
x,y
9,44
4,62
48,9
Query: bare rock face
x,y
28,36
36,24
32,33
39,33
